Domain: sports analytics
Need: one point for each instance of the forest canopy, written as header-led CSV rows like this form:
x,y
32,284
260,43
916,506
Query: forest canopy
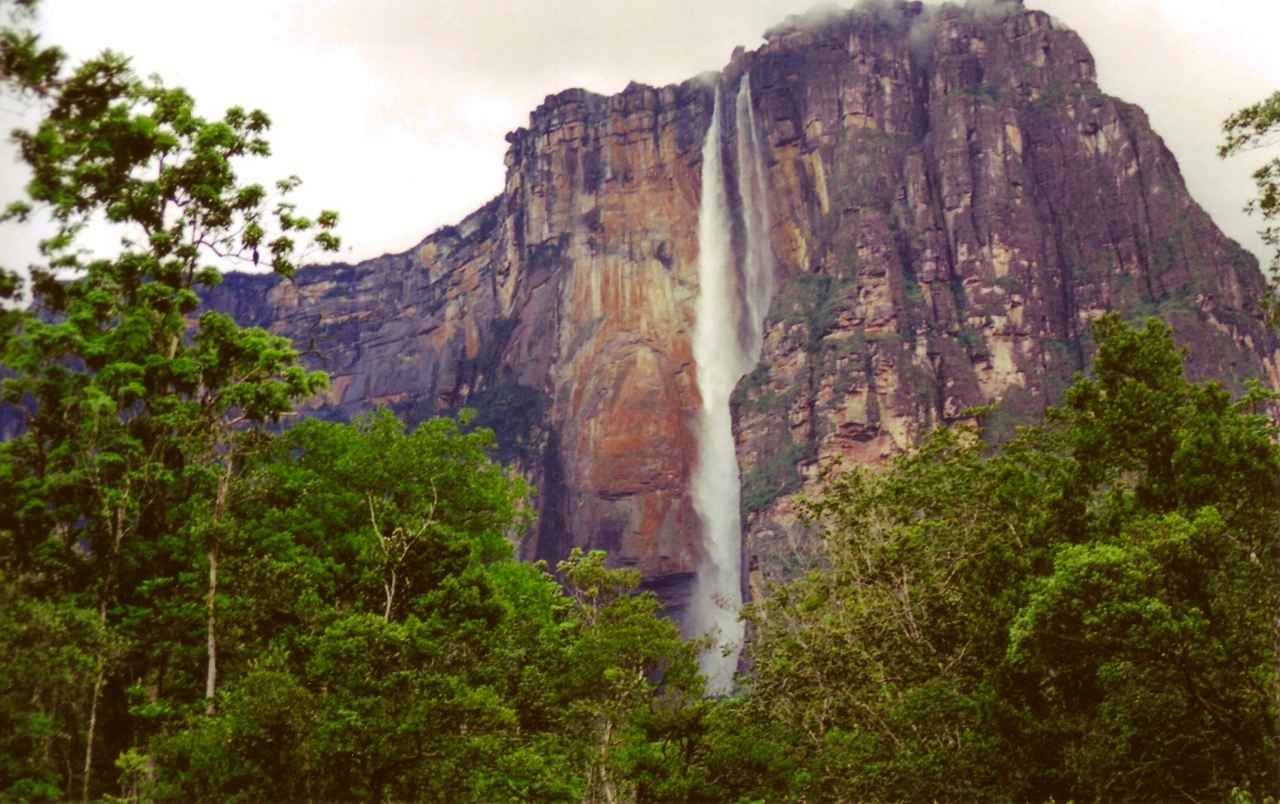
x,y
206,597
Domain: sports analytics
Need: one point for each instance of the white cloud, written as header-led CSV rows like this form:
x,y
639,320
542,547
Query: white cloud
x,y
394,112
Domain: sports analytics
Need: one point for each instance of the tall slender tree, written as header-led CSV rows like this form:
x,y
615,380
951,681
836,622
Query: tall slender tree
x,y
134,397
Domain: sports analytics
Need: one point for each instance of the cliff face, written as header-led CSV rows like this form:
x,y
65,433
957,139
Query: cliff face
x,y
952,201
561,311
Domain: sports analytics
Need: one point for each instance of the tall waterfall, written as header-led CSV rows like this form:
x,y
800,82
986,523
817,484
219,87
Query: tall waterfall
x,y
758,267
727,338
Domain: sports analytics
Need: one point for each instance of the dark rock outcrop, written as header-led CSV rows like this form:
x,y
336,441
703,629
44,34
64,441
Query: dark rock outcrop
x,y
952,198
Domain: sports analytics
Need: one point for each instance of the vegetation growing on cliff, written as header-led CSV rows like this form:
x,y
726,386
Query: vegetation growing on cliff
x,y
1088,613
195,605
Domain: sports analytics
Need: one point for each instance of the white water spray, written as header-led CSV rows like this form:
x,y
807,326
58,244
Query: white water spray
x,y
758,267
727,339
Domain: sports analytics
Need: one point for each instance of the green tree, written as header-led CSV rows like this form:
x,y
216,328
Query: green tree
x,y
470,676
328,613
627,679
27,67
52,651
361,672
1253,127
1088,613
135,400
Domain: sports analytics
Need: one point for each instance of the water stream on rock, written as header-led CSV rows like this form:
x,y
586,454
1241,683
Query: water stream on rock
x,y
727,339
758,265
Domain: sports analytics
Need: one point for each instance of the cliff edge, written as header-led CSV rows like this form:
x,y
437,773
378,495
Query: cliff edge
x,y
951,201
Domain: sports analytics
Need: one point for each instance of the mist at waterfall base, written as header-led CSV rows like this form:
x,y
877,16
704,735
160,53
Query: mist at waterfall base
x,y
728,334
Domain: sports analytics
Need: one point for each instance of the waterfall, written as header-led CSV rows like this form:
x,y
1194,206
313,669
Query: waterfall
x,y
758,268
727,339
718,592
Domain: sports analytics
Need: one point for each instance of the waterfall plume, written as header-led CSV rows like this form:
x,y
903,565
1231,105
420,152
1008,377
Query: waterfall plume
x,y
732,302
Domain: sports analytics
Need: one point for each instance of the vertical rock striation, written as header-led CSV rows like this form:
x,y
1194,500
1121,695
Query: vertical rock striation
x,y
562,310
950,201
955,200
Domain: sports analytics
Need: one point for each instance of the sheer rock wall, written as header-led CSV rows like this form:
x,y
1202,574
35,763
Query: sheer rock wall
x,y
952,200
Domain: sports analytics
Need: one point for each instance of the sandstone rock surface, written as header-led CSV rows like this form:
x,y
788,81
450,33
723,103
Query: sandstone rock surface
x,y
952,201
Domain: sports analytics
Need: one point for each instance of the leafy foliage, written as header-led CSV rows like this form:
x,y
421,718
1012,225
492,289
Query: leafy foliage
x,y
204,607
53,651
468,677
1089,613
1253,127
199,604
136,401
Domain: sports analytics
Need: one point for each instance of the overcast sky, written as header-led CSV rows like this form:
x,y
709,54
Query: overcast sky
x,y
393,111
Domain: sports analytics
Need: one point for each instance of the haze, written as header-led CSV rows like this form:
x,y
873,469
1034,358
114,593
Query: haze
x,y
394,112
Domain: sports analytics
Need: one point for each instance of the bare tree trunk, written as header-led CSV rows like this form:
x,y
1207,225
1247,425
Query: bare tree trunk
x,y
93,726
211,674
606,783
390,589
117,538
1275,690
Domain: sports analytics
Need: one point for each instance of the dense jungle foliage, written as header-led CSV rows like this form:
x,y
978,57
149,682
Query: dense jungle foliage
x,y
203,598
